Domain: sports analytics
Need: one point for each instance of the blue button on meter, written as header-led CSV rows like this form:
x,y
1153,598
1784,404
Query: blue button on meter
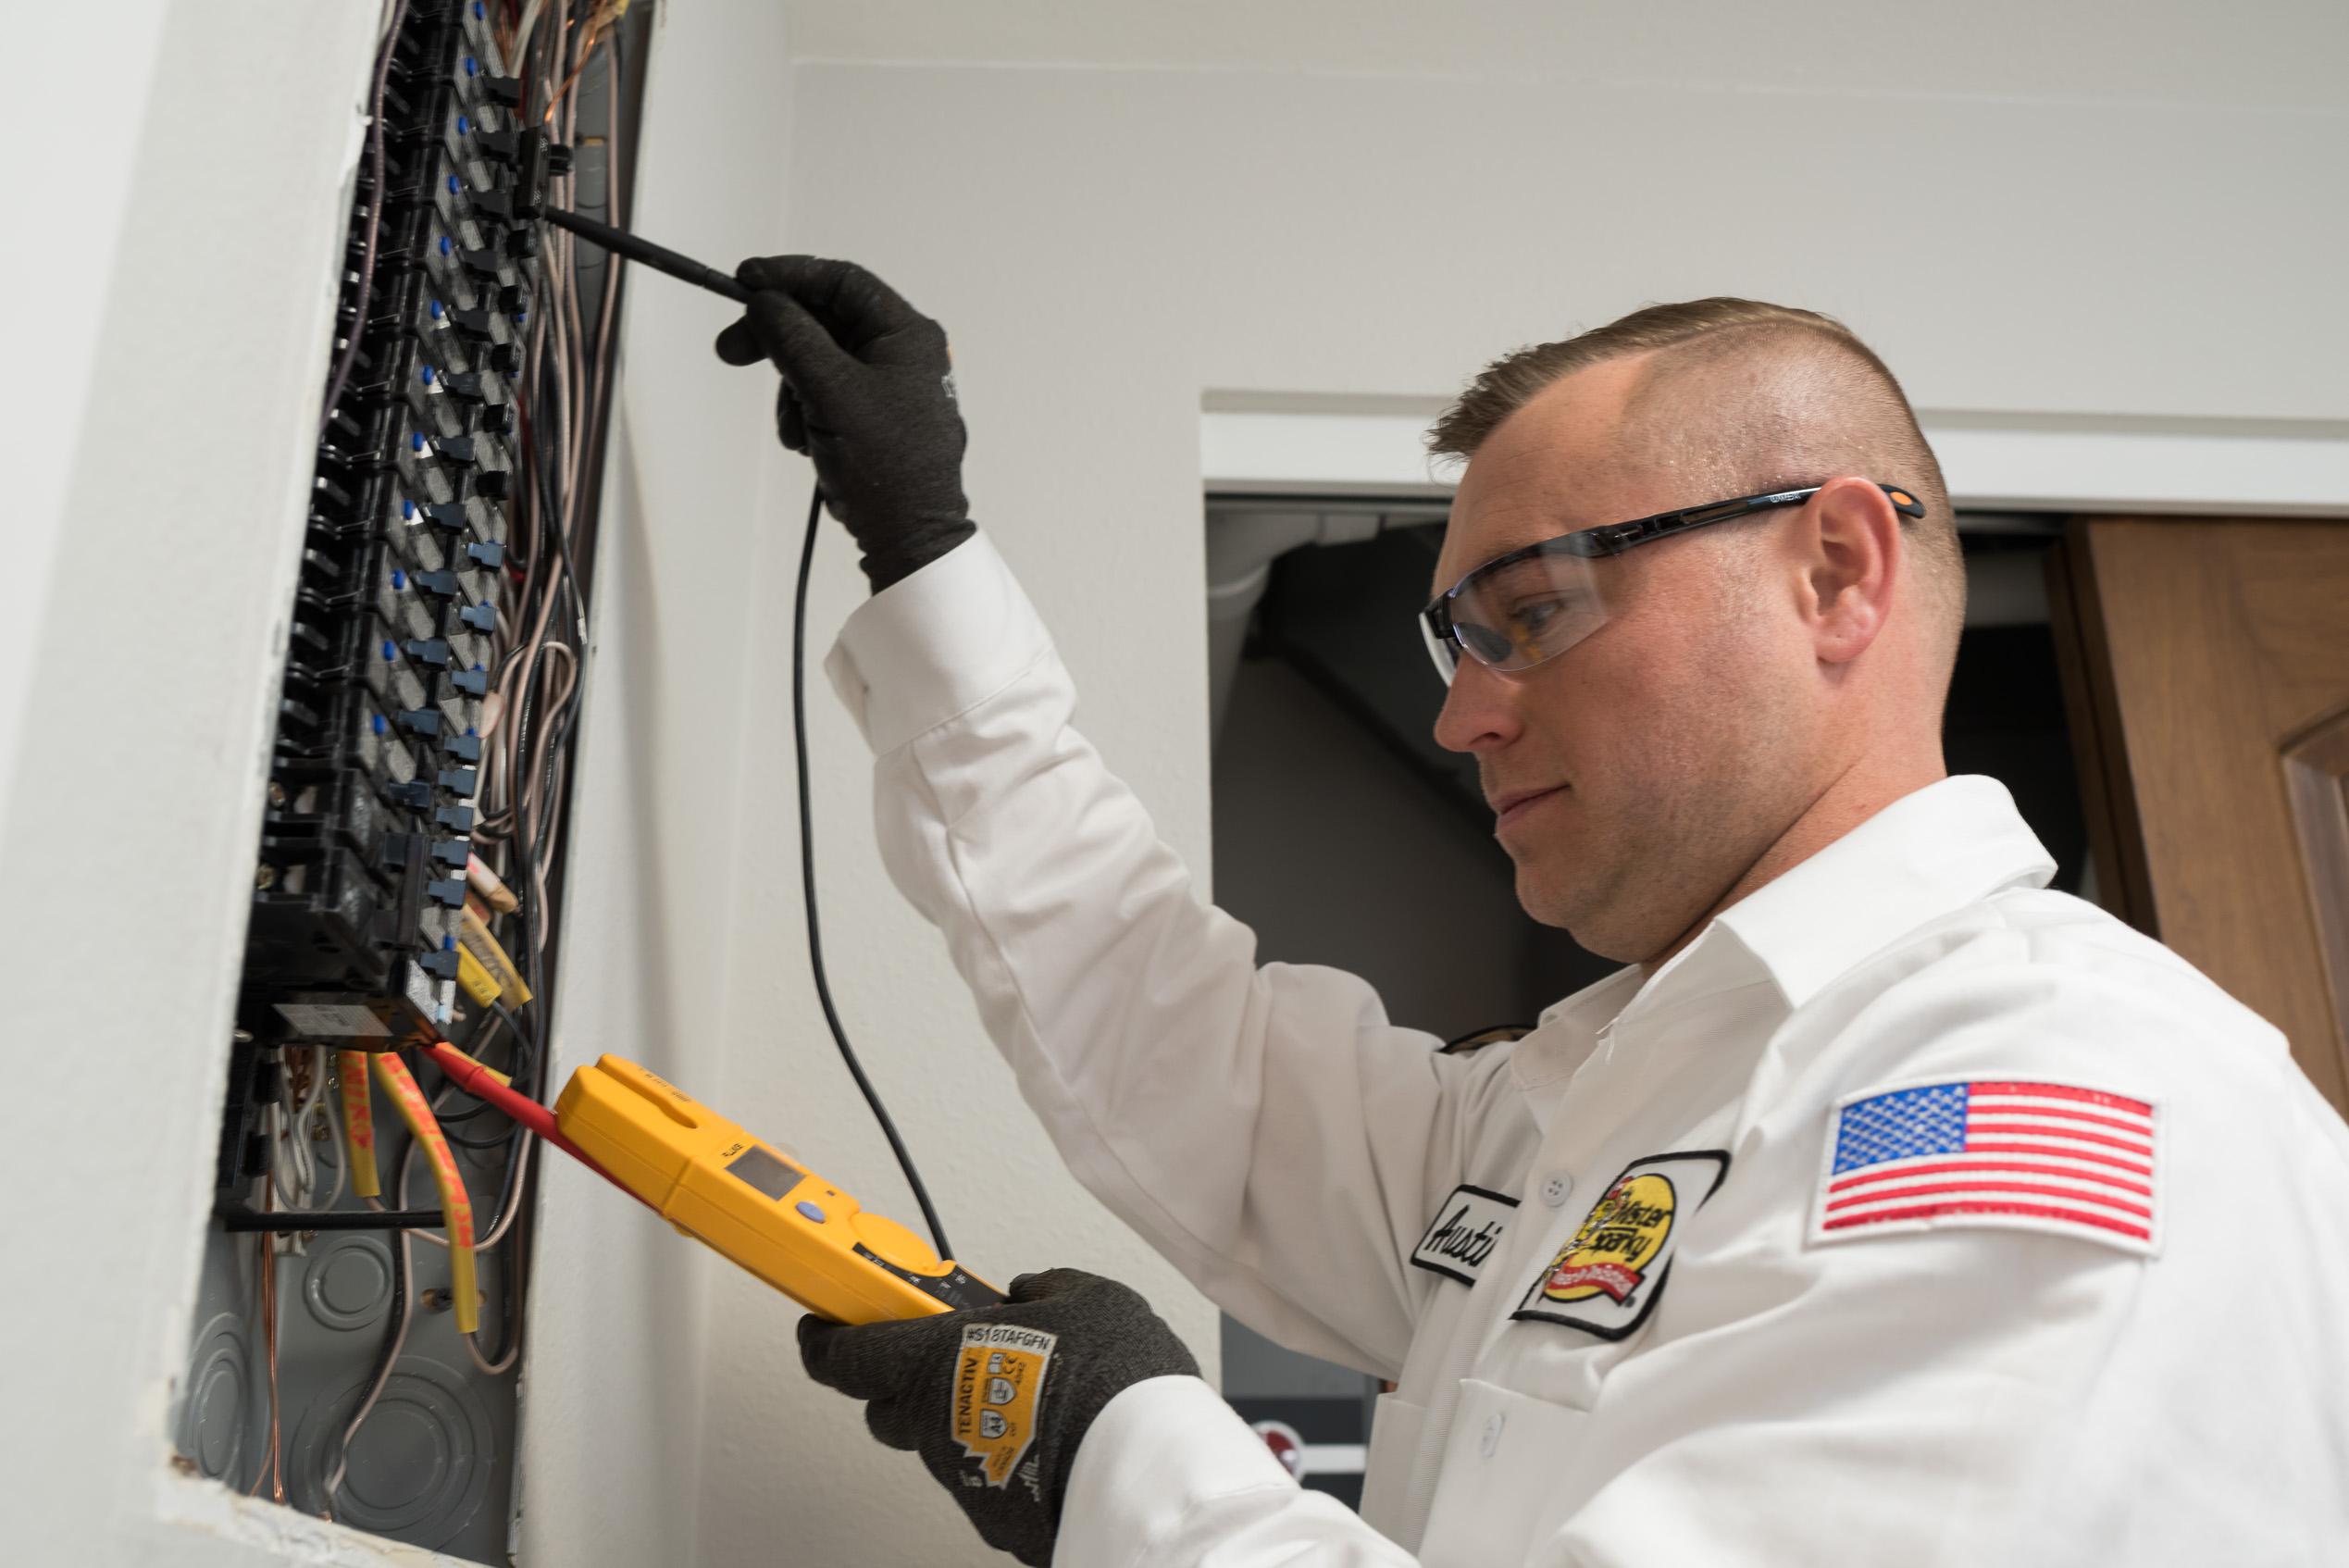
x,y
809,1209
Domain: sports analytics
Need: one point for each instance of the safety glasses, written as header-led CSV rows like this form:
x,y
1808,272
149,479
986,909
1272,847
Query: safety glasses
x,y
1533,603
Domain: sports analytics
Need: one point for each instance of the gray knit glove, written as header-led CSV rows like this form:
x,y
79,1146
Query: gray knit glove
x,y
997,1400
868,393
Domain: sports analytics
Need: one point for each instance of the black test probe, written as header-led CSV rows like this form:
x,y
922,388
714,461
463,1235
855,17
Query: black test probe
x,y
658,257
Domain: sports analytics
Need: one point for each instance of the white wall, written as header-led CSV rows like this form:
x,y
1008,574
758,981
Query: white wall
x,y
610,1462
702,1440
147,672
83,195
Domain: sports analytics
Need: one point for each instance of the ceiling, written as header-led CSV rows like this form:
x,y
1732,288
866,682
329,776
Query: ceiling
x,y
2270,55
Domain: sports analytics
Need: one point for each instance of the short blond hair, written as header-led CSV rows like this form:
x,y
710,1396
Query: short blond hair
x,y
1868,426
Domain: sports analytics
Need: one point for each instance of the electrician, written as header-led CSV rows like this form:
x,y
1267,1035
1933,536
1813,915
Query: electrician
x,y
1884,1208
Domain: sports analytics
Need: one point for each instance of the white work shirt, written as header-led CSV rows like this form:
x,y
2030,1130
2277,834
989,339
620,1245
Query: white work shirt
x,y
2104,1326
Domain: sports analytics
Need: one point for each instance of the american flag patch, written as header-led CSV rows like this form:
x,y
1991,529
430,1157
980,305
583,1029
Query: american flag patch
x,y
2033,1156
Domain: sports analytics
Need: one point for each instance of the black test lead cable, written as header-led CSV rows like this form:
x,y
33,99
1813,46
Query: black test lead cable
x,y
684,267
807,879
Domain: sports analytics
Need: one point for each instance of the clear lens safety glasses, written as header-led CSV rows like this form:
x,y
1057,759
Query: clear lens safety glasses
x,y
1514,613
1531,604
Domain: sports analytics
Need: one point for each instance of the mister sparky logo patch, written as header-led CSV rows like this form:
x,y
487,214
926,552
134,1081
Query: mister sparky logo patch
x,y
1608,1276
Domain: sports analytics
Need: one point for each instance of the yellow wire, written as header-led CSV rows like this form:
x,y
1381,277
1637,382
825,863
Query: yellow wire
x,y
358,1122
456,1205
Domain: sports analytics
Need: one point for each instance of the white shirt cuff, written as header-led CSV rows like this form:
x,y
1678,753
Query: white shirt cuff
x,y
935,645
1156,1451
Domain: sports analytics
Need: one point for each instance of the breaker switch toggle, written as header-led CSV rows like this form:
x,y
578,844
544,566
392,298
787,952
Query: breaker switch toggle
x,y
470,322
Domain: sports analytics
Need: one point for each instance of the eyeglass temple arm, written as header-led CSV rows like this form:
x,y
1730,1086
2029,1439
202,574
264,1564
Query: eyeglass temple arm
x,y
1622,536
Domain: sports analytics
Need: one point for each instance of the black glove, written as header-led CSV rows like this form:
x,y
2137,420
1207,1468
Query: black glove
x,y
868,392
997,1400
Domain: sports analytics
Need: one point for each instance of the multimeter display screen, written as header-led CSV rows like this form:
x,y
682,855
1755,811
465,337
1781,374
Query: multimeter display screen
x,y
763,1171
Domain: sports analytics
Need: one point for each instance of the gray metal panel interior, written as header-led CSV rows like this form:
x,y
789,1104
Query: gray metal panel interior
x,y
433,1464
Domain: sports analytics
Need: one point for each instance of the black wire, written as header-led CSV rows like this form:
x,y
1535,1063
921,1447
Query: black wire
x,y
485,1025
526,1073
807,880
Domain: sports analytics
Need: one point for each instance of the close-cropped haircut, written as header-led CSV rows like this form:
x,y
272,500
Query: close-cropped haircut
x,y
1739,397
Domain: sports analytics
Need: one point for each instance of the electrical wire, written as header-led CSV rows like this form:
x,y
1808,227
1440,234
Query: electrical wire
x,y
272,1467
334,1134
402,1309
350,355
456,1205
807,881
358,1122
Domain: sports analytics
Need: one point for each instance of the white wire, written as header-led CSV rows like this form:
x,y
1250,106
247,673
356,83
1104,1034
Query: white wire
x,y
504,1363
391,1360
305,1110
288,1174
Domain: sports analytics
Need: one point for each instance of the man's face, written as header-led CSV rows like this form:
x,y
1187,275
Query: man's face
x,y
1664,753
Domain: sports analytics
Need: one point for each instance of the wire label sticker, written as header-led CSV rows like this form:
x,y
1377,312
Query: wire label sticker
x,y
348,1021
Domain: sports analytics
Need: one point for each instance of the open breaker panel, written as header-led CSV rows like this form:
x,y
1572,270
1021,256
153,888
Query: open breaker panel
x,y
352,1357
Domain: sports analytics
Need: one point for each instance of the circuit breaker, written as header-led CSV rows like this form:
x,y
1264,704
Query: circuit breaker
x,y
440,591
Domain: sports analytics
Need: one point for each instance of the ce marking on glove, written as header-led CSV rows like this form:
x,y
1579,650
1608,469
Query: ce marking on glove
x,y
998,1396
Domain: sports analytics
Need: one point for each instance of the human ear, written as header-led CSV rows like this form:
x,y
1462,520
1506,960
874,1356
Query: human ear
x,y
1851,537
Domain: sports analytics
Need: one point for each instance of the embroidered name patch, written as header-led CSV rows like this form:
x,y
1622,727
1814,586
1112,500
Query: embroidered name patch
x,y
2055,1157
1609,1277
1463,1235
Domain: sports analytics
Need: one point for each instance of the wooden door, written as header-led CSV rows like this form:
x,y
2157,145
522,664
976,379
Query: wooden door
x,y
2206,667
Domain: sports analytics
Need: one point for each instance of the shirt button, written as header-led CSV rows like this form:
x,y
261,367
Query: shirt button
x,y
1490,1440
1555,1187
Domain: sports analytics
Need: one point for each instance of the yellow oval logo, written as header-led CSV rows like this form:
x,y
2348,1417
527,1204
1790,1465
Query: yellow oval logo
x,y
1623,1234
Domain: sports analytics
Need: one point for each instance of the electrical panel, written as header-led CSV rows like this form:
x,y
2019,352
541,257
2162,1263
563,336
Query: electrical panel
x,y
401,890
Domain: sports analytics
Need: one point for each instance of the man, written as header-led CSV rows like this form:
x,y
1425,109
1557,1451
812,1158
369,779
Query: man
x,y
1884,1208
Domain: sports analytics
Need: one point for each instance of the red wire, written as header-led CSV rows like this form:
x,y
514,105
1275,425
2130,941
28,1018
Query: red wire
x,y
476,1080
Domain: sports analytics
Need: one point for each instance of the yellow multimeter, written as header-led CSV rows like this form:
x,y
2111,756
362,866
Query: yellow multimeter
x,y
719,1185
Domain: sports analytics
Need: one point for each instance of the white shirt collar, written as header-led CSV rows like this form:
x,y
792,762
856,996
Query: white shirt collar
x,y
1929,853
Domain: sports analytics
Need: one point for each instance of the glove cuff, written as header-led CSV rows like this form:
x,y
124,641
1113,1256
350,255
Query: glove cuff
x,y
908,550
